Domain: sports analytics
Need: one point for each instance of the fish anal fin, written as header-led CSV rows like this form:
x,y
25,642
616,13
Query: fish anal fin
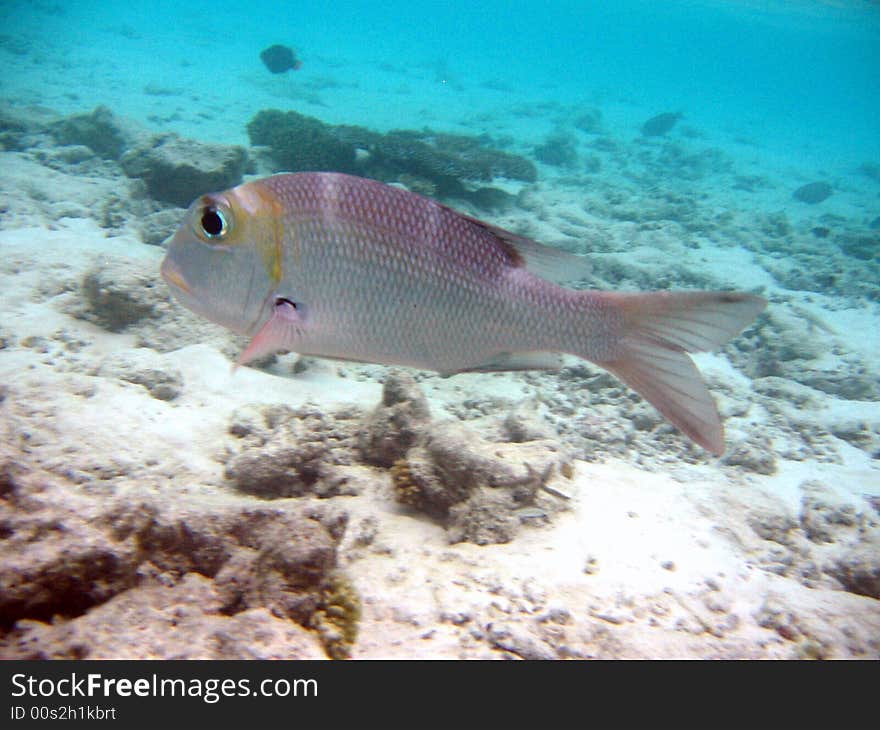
x,y
669,380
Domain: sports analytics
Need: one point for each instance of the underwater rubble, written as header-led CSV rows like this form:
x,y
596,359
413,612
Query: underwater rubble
x,y
477,489
77,567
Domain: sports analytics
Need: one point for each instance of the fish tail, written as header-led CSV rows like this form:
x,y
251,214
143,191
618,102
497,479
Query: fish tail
x,y
657,330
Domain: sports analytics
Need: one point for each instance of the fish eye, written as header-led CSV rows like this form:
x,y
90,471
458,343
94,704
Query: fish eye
x,y
213,222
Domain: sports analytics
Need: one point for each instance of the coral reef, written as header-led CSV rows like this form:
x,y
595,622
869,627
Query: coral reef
x,y
138,179
21,127
446,165
301,143
153,505
476,487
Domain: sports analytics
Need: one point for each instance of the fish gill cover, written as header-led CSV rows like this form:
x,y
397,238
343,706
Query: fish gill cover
x,y
153,505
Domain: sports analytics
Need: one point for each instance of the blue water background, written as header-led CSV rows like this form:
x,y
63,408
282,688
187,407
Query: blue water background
x,y
802,78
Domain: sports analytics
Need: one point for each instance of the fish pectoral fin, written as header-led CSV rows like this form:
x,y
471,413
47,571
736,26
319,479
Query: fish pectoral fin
x,y
281,332
503,361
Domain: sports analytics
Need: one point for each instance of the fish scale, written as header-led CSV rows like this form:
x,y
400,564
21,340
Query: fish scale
x,y
339,266
384,284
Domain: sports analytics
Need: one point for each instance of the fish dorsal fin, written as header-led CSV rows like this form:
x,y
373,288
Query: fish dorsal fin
x,y
547,262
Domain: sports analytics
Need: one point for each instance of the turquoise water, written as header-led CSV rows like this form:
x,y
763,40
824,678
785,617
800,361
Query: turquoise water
x,y
801,77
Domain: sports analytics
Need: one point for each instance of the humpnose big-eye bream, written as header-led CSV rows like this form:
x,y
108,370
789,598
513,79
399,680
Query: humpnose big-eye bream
x,y
344,267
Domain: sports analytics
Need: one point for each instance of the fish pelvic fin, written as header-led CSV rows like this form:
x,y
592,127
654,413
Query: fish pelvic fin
x,y
658,330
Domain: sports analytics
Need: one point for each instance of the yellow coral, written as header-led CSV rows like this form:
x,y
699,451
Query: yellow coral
x,y
406,490
336,621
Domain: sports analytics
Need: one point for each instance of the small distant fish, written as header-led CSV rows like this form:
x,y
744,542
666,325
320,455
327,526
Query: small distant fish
x,y
812,193
279,59
338,266
661,124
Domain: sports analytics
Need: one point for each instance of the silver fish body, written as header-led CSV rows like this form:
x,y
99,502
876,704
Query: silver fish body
x,y
339,266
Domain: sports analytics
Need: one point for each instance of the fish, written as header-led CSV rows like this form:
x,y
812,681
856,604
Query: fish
x,y
279,59
661,124
344,267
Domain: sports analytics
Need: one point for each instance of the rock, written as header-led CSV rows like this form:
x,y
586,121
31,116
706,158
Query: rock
x,y
484,518
418,484
862,247
757,458
524,424
774,614
117,294
157,227
474,486
589,121
100,130
396,423
189,578
789,344
46,571
871,170
661,124
290,453
812,193
520,642
144,367
558,149
181,621
178,170
823,512
858,569
22,127
282,569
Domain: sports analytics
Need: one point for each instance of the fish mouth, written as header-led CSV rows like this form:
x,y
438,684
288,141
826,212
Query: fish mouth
x,y
172,275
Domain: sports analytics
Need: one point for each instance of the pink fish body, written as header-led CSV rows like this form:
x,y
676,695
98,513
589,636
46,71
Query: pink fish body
x,y
339,266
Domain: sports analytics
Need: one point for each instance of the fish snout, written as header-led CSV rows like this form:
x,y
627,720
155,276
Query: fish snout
x,y
172,274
